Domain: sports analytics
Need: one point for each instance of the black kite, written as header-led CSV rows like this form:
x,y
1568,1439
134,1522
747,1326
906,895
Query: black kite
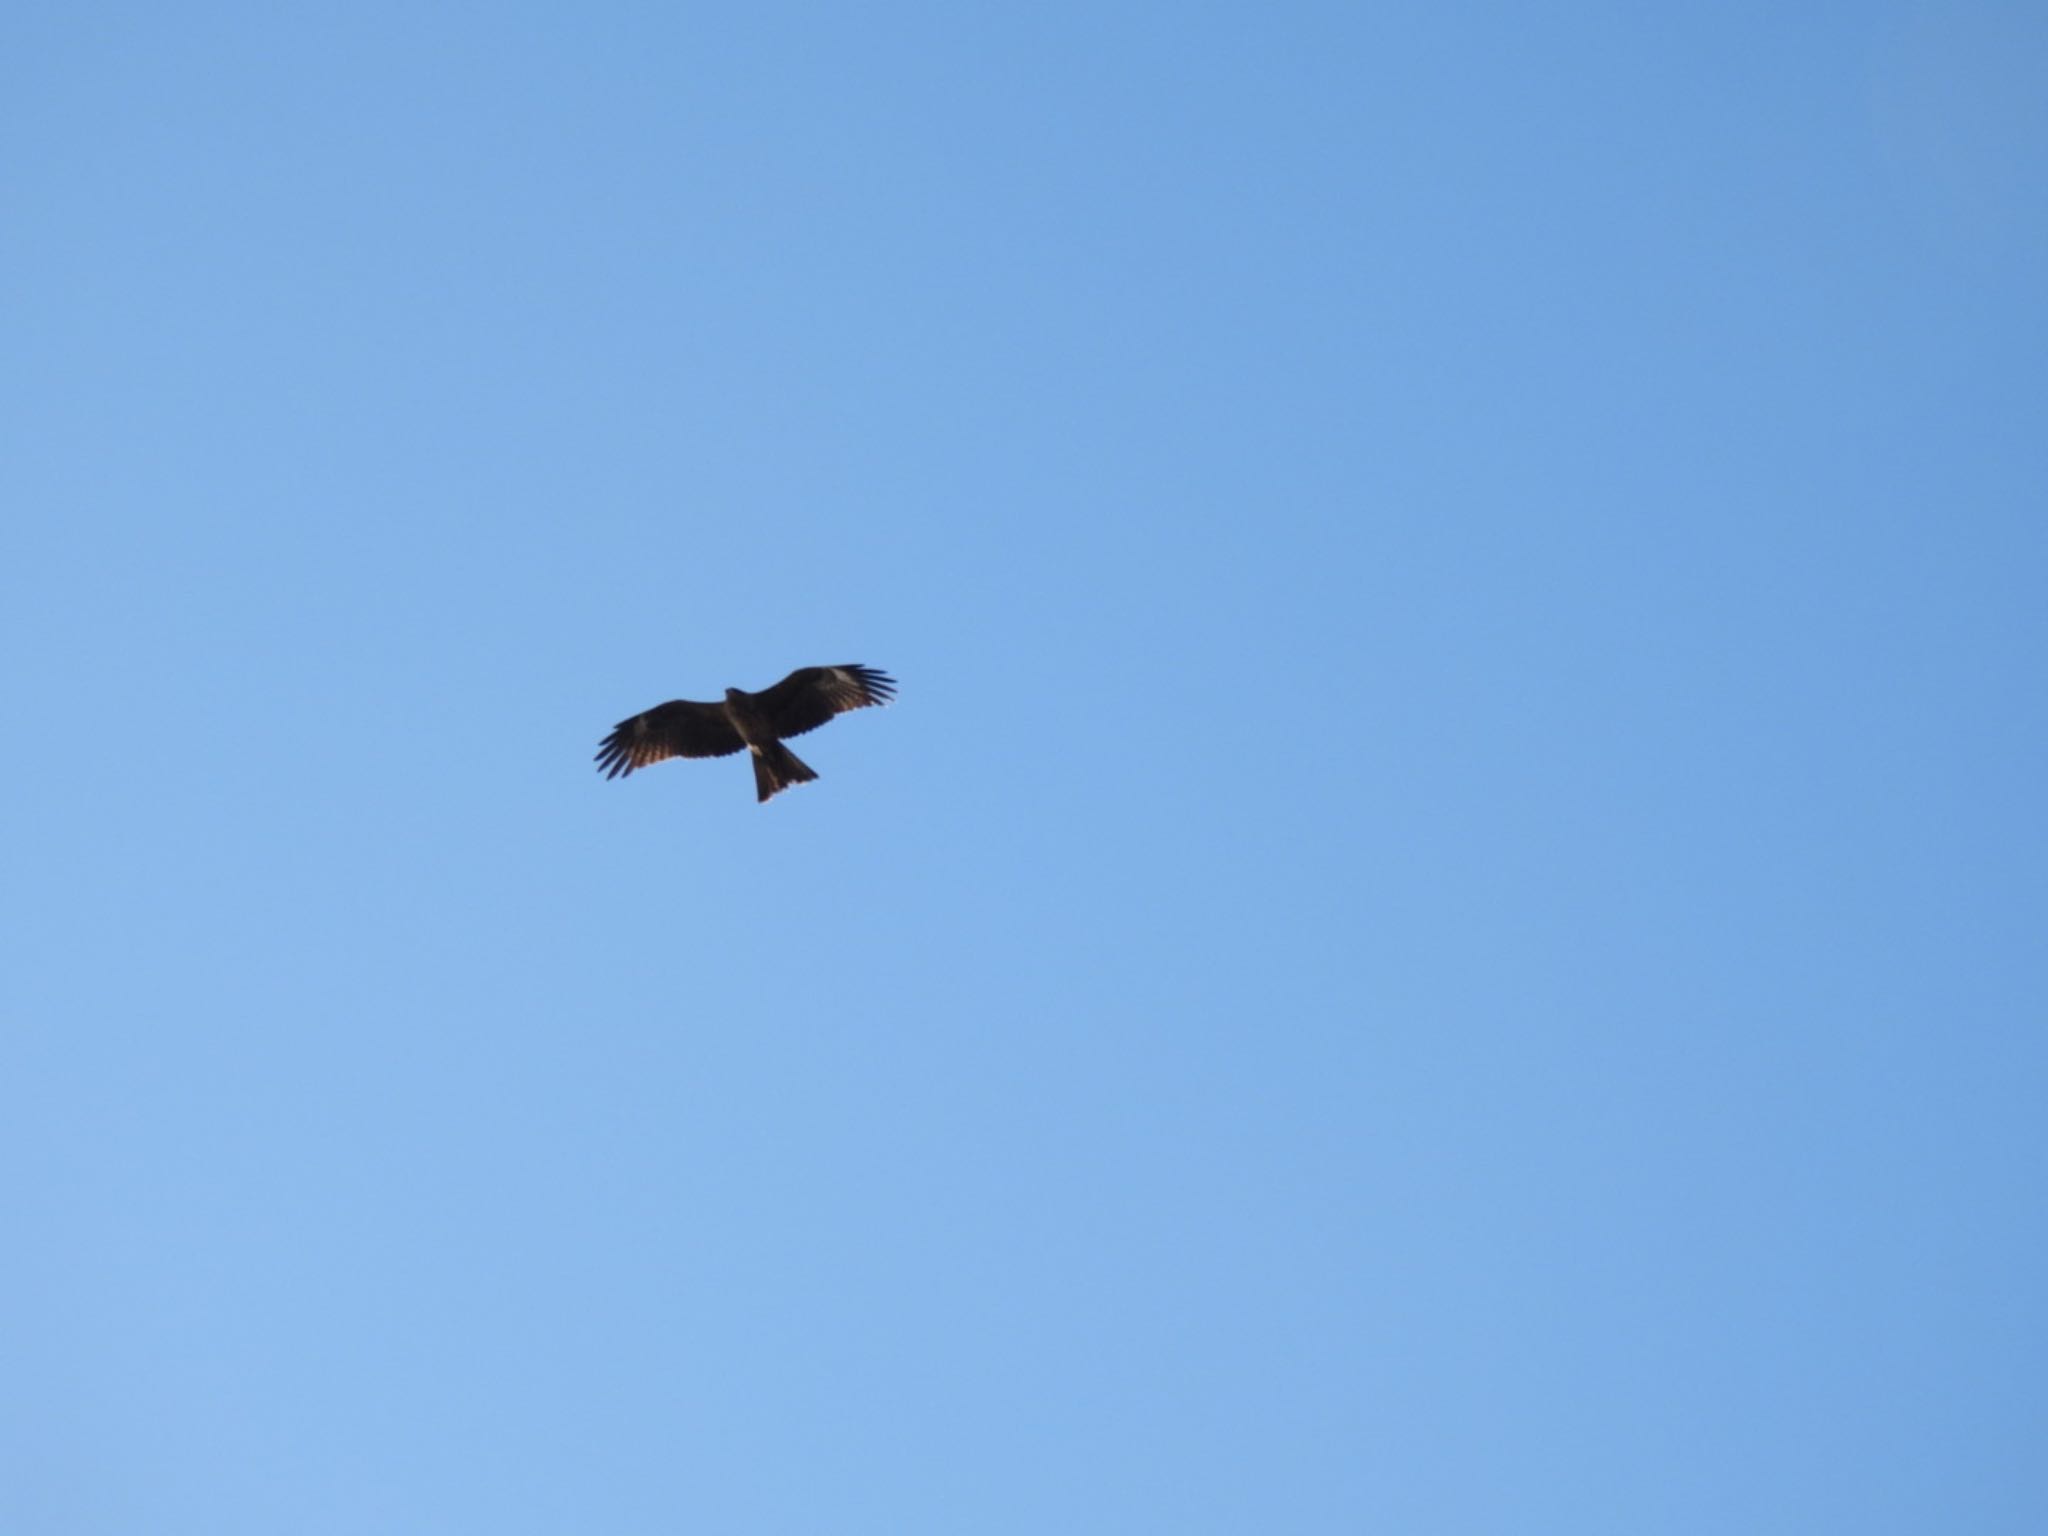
x,y
755,722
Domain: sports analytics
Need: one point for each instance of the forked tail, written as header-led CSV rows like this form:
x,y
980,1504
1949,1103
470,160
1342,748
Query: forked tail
x,y
776,768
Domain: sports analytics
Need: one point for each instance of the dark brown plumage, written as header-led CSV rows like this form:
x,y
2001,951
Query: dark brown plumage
x,y
751,722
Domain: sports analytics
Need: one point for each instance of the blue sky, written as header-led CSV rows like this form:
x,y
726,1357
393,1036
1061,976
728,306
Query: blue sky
x,y
1447,934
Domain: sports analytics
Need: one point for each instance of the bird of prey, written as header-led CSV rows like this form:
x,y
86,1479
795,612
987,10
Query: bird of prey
x,y
757,722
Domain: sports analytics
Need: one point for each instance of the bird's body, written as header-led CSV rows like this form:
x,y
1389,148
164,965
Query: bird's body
x,y
755,723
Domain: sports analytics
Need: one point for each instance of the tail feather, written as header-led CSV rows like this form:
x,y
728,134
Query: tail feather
x,y
776,768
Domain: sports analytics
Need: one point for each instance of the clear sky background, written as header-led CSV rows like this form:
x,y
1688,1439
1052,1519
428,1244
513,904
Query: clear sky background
x,y
1449,933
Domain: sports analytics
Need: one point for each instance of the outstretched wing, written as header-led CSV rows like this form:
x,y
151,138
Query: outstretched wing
x,y
679,728
810,696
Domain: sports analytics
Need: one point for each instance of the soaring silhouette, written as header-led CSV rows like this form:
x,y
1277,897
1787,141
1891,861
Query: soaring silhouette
x,y
756,722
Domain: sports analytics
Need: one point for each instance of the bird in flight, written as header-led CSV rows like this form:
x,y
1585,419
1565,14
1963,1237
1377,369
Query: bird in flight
x,y
754,722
